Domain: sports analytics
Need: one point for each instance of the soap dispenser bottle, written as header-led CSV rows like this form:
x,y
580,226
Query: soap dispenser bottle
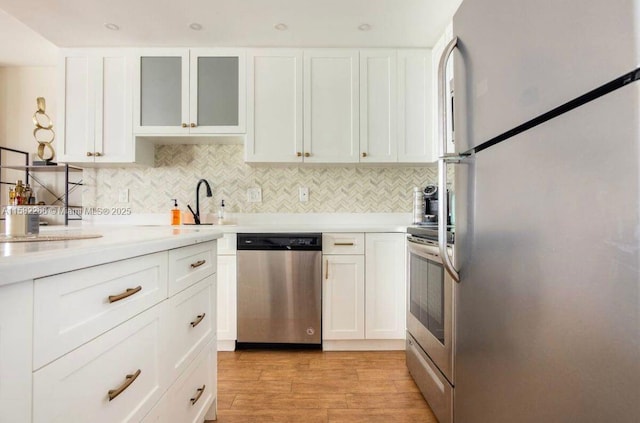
x,y
175,213
221,213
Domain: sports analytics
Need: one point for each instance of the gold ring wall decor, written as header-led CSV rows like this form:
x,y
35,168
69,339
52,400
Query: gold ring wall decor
x,y
43,132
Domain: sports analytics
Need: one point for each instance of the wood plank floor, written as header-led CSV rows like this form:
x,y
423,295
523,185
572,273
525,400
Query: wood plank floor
x,y
318,387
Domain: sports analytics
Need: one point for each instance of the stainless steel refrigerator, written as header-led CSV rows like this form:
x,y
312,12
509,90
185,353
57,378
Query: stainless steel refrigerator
x,y
547,183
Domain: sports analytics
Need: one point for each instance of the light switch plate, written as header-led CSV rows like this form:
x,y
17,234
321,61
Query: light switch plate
x,y
254,195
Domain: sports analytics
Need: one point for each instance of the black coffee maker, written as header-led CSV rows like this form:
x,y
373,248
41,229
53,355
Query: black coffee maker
x,y
431,204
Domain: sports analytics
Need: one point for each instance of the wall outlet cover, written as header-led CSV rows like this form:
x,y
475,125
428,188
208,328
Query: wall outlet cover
x,y
123,195
303,194
254,195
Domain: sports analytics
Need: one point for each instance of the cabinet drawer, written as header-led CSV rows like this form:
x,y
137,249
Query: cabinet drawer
x,y
188,265
343,243
227,245
193,394
78,386
73,308
192,322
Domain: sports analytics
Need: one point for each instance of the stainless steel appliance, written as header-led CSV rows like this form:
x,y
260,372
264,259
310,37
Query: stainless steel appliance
x,y
547,113
279,288
430,320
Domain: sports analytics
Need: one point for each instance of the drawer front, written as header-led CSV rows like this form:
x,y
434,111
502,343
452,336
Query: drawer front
x,y
343,243
192,322
78,386
73,308
227,245
188,265
193,394
158,413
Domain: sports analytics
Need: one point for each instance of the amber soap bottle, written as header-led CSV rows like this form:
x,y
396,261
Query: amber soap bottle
x,y
175,213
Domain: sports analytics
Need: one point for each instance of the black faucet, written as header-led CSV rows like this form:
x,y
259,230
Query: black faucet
x,y
196,214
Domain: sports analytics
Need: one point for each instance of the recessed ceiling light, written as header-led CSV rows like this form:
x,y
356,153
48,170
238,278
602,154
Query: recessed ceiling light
x,y
364,27
281,27
195,26
112,26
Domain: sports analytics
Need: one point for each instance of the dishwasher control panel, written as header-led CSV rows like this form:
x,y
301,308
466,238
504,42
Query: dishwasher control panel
x,y
280,241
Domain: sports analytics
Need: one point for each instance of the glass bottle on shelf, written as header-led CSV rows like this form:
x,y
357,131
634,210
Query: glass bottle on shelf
x,y
19,193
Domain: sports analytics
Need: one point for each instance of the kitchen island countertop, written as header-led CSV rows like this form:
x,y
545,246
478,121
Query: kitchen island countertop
x,y
20,261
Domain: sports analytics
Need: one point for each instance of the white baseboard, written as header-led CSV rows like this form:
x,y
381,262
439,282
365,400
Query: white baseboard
x,y
364,345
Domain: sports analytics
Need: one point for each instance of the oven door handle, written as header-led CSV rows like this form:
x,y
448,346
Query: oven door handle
x,y
424,250
442,161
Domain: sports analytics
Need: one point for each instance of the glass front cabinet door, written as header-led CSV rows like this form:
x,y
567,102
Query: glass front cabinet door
x,y
196,91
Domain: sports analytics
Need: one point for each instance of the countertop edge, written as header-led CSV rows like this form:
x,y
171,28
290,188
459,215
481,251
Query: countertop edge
x,y
27,267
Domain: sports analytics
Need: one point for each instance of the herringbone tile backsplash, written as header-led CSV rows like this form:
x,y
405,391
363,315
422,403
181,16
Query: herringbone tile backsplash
x,y
344,189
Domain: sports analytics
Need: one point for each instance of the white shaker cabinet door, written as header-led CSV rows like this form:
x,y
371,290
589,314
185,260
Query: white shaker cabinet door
x,y
191,324
378,110
343,297
416,105
385,302
117,377
16,319
274,131
331,106
96,117
76,126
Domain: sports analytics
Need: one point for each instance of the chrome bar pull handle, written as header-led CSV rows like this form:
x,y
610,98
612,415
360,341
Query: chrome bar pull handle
x,y
443,199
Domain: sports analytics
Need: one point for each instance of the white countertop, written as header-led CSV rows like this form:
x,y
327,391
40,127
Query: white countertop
x,y
282,222
28,260
129,236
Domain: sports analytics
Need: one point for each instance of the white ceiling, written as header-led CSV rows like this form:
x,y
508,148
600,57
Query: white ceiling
x,y
21,46
311,23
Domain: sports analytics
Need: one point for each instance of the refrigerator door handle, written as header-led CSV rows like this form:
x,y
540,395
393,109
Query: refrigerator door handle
x,y
443,160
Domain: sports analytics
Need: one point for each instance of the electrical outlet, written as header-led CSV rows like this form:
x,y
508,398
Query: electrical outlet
x,y
123,195
254,195
303,194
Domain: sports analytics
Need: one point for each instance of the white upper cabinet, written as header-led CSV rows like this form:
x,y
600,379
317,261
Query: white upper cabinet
x,y
378,99
416,105
331,106
340,106
197,91
274,130
95,120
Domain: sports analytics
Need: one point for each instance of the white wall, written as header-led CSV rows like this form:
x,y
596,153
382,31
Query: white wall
x,y
19,88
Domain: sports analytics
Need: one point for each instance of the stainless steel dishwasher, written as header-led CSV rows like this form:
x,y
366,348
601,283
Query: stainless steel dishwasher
x,y
279,289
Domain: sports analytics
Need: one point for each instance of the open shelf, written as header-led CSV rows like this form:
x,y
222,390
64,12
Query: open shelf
x,y
71,212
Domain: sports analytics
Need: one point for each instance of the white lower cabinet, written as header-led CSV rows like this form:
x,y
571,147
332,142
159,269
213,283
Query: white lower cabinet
x,y
117,377
191,324
385,297
16,319
192,398
80,357
364,295
72,308
343,297
227,293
